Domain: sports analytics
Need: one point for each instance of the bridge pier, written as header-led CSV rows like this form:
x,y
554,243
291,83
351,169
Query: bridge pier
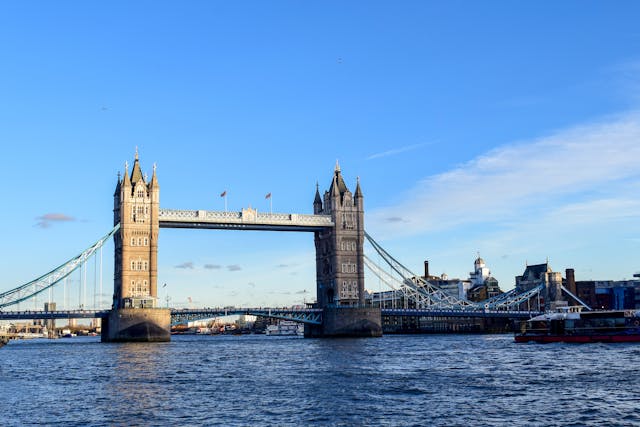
x,y
347,322
137,325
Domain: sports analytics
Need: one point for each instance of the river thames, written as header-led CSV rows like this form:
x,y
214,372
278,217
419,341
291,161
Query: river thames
x,y
443,380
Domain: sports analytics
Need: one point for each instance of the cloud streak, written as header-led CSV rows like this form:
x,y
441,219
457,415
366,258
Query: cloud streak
x,y
46,220
398,150
186,265
514,181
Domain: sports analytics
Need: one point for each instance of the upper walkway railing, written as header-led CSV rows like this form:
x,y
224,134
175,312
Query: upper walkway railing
x,y
246,219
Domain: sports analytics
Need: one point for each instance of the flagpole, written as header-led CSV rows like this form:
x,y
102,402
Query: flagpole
x,y
224,196
271,204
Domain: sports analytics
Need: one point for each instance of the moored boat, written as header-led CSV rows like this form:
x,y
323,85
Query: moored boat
x,y
573,325
285,327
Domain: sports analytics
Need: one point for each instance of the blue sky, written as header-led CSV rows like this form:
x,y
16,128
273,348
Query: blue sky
x,y
508,129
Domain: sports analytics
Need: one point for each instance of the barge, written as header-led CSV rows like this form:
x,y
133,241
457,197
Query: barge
x,y
572,325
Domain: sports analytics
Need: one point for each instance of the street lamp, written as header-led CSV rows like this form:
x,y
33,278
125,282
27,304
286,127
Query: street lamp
x,y
166,294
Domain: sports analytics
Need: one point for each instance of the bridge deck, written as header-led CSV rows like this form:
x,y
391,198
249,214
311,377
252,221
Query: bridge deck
x,y
247,219
47,315
313,316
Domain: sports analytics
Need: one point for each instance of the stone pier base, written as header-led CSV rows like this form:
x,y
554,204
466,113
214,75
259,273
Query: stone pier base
x,y
137,325
347,322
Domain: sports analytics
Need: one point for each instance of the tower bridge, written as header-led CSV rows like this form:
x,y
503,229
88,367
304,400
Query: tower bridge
x,y
337,224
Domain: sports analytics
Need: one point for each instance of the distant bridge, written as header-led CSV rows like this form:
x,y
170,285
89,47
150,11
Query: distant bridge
x,y
414,312
178,316
311,316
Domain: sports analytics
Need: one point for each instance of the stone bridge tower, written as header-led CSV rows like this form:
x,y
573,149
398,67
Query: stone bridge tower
x,y
340,264
136,208
339,250
135,315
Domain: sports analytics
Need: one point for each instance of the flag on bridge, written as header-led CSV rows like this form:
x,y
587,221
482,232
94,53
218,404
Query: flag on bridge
x,y
268,196
224,196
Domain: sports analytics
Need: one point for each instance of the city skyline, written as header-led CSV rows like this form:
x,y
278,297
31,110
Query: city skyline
x,y
522,148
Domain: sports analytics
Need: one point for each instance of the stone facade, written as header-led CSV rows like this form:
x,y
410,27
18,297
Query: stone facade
x,y
338,321
137,325
340,249
541,274
136,208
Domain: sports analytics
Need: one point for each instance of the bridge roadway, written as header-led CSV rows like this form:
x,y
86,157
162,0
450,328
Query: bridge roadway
x,y
309,315
247,219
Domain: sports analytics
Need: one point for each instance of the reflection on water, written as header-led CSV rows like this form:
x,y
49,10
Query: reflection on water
x,y
258,380
138,376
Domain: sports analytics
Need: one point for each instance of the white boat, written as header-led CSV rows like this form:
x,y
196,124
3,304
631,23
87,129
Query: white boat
x,y
286,327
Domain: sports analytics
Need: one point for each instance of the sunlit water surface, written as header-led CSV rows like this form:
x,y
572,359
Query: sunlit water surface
x,y
248,380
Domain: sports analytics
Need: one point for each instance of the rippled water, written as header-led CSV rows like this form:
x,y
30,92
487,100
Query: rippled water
x,y
258,380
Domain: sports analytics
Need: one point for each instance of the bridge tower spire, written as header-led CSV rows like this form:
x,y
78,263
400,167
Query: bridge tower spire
x,y
136,209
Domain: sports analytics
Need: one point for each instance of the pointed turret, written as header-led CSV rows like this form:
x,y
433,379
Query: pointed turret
x,y
338,187
333,188
118,185
136,173
317,201
126,182
154,178
358,190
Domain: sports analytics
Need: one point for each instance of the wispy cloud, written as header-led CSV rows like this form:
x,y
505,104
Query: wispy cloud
x,y
515,181
46,220
186,265
212,266
395,219
399,150
234,267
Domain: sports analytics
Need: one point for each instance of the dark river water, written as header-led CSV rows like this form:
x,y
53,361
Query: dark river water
x,y
419,380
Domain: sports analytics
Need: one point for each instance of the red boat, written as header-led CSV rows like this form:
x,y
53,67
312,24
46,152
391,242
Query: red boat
x,y
575,326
